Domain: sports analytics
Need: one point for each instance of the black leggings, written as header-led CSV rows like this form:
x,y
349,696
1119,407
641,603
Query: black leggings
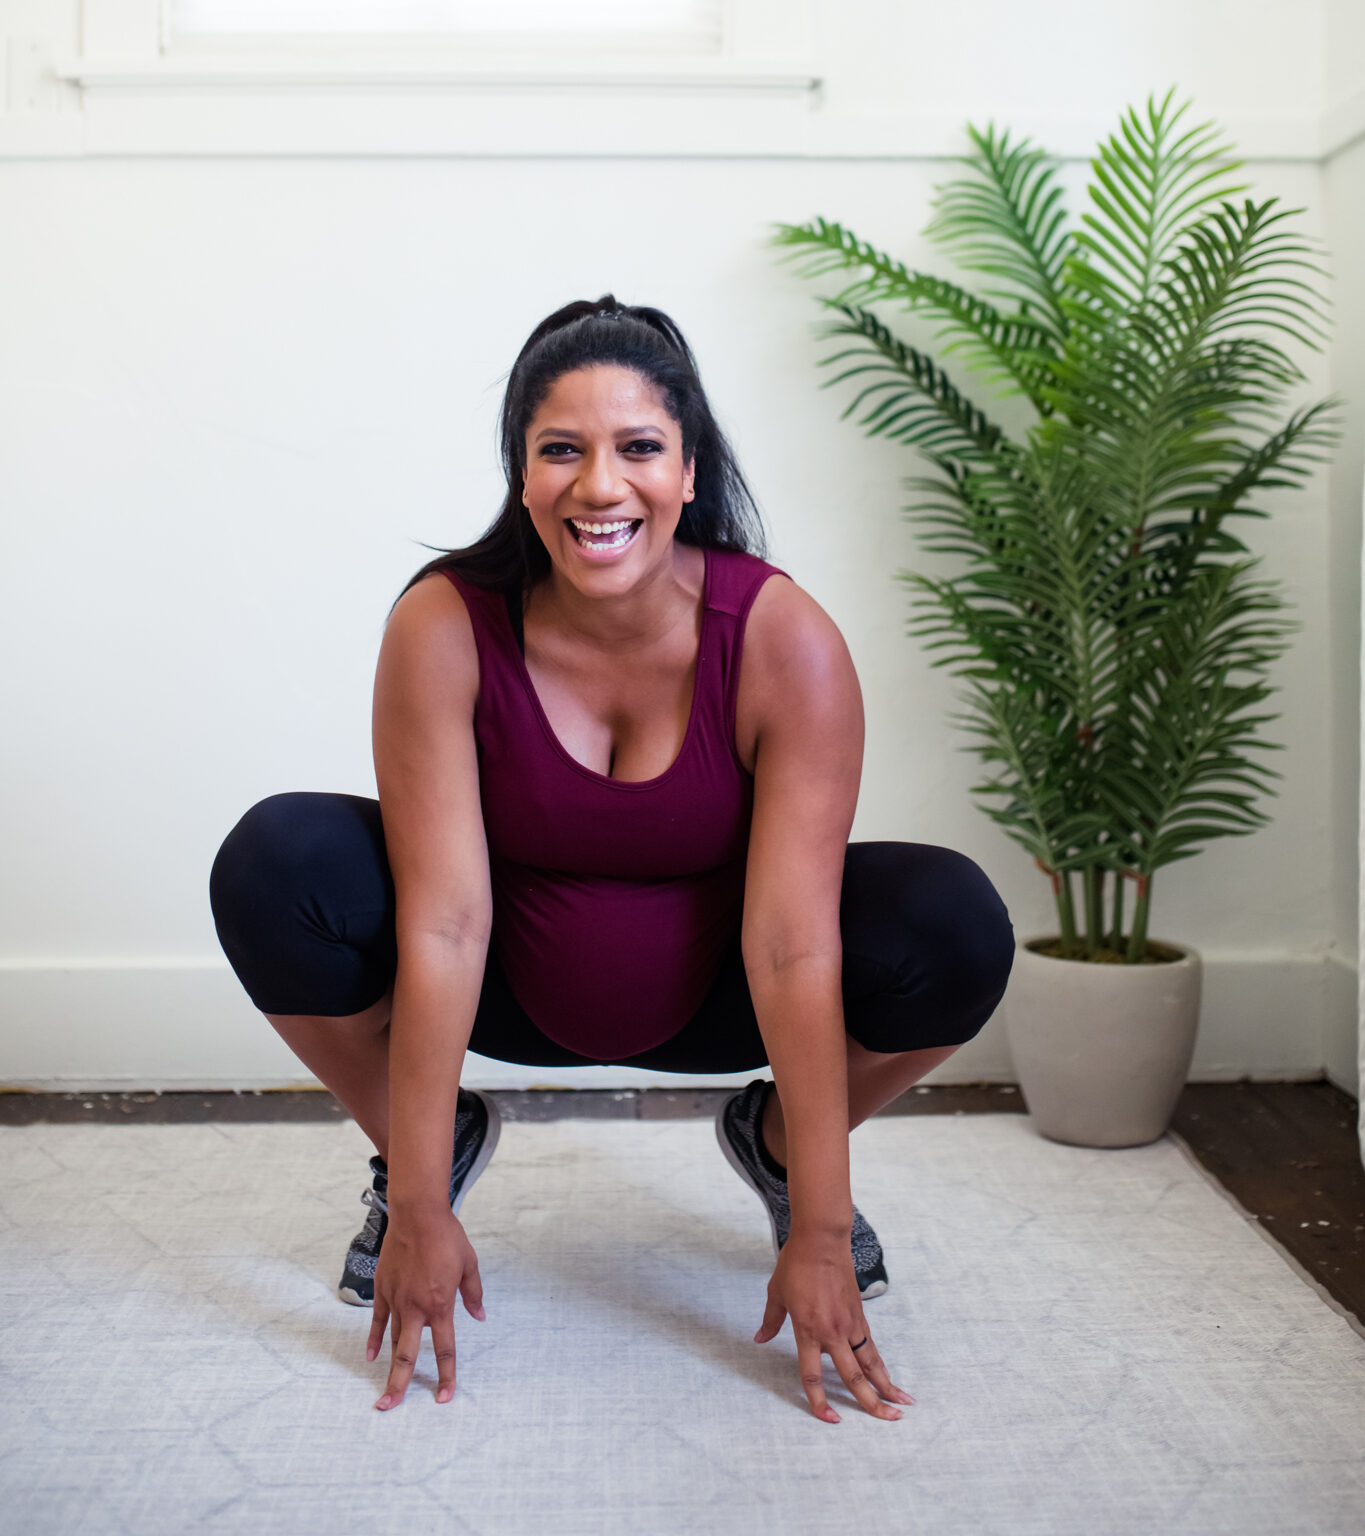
x,y
303,901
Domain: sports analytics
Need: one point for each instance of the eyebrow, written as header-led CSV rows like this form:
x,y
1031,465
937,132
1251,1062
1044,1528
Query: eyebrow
x,y
569,432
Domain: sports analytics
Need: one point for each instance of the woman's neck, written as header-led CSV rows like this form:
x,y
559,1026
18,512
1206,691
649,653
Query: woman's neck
x,y
626,621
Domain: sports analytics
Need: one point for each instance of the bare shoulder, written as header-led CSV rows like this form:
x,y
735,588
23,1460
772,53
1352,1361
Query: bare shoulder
x,y
796,669
433,605
429,640
791,643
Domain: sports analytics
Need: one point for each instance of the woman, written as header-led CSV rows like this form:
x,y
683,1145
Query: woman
x,y
601,838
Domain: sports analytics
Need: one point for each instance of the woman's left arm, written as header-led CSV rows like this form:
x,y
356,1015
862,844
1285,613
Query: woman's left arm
x,y
800,690
802,694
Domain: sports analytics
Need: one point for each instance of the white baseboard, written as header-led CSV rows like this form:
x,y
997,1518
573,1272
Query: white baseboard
x,y
166,1025
1341,1029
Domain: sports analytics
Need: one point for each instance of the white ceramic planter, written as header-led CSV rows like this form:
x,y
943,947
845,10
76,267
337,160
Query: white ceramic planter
x,y
1102,1051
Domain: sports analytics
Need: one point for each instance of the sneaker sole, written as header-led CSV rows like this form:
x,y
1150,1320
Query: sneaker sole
x,y
877,1288
732,1157
490,1142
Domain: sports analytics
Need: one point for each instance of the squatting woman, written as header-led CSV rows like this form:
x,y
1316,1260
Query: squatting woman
x,y
617,755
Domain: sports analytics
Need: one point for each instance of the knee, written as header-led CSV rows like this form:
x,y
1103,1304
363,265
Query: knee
x,y
972,957
265,854
302,901
251,847
978,940
936,920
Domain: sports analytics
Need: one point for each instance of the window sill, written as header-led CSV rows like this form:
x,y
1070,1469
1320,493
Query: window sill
x,y
633,74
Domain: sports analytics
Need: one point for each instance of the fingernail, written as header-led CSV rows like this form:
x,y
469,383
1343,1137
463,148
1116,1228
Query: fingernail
x,y
834,1417
382,1403
371,1353
443,1396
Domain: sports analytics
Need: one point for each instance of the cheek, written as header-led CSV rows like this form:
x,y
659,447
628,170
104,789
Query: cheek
x,y
666,481
538,487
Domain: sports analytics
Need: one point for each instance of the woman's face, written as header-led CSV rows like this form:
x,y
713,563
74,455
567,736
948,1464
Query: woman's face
x,y
603,453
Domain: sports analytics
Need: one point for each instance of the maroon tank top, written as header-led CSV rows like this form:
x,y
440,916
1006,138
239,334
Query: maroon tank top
x,y
614,901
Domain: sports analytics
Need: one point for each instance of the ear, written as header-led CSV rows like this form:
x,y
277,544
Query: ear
x,y
689,479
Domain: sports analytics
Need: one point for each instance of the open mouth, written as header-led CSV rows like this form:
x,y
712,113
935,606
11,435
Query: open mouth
x,y
611,534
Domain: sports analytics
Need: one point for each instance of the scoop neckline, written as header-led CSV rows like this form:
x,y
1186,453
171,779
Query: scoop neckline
x,y
524,673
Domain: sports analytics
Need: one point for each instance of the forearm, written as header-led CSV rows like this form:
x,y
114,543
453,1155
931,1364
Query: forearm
x,y
435,997
801,1018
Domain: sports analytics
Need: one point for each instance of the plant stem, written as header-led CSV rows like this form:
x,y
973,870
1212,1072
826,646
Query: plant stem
x,y
1137,940
1066,913
1093,878
1116,934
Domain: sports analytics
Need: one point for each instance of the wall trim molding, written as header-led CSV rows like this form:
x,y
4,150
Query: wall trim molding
x,y
398,73
101,1026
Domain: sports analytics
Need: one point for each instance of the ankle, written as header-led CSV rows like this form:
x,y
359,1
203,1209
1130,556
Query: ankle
x,y
772,1130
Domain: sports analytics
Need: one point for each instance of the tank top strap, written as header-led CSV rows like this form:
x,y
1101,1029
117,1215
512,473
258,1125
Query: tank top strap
x,y
486,608
493,639
734,582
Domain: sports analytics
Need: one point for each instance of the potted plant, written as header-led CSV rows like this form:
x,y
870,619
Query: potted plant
x,y
1115,644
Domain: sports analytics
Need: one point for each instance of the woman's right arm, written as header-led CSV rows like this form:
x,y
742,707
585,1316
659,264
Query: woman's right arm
x,y
426,766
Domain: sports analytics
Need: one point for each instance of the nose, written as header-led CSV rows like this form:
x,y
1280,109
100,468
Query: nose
x,y
599,482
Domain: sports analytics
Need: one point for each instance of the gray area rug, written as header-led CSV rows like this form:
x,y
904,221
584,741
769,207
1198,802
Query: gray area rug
x,y
1098,1342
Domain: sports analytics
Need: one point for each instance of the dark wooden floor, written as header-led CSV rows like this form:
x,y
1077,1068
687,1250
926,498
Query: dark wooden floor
x,y
1287,1153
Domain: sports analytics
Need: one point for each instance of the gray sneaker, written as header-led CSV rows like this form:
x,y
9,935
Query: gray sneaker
x,y
738,1129
477,1127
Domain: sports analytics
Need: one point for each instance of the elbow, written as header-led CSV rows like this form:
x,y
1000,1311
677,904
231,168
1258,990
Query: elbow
x,y
447,933
778,954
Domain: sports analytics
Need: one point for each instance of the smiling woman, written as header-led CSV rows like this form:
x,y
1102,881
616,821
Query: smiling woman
x,y
624,357
614,464
617,767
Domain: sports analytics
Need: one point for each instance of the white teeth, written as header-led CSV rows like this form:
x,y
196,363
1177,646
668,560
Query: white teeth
x,y
598,527
621,538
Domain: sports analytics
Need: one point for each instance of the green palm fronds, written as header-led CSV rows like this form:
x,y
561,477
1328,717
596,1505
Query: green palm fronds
x,y
912,399
1006,218
1151,183
1008,348
1115,647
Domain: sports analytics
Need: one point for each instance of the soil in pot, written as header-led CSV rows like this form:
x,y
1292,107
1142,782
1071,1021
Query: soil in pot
x,y
1155,954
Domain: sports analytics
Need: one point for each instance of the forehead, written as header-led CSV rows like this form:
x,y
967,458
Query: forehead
x,y
607,393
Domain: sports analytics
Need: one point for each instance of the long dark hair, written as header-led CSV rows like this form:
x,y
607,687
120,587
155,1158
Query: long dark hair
x,y
509,555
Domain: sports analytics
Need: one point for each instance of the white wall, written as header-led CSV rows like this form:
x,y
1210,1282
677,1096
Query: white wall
x,y
237,391
1343,28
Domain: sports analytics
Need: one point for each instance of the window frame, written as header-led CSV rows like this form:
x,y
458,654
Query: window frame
x,y
264,45
126,47
124,93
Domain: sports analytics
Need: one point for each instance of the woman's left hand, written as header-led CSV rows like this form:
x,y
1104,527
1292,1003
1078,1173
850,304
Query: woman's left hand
x,y
815,1285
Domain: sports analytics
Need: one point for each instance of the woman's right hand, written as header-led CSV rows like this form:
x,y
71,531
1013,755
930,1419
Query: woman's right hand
x,y
423,1263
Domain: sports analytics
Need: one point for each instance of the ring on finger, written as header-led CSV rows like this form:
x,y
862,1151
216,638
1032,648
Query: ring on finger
x,y
860,1343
